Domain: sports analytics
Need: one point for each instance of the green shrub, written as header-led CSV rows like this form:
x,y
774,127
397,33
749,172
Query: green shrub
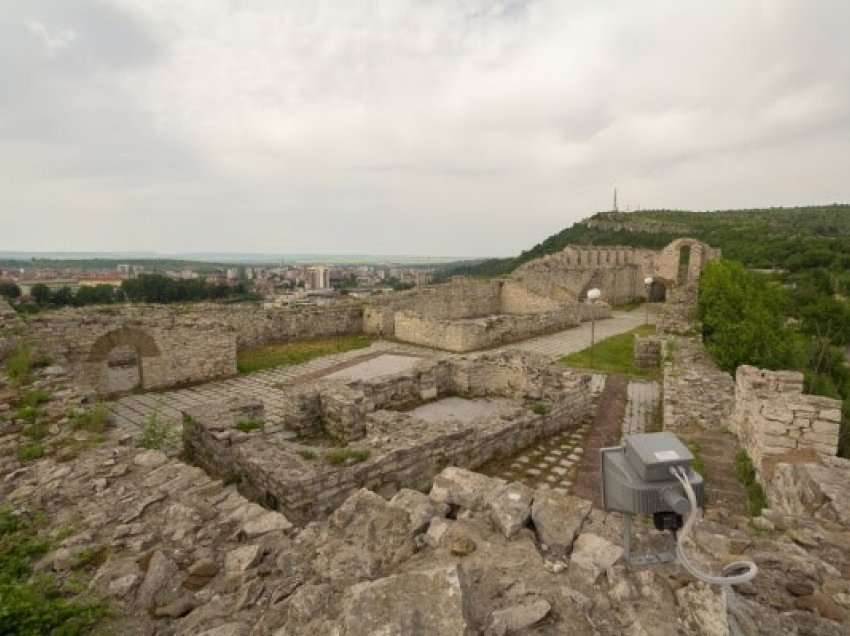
x,y
19,364
157,435
40,604
35,398
30,452
540,408
746,472
247,425
346,456
93,420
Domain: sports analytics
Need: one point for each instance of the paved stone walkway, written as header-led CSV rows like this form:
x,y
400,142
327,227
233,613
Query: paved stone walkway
x,y
642,407
262,385
566,342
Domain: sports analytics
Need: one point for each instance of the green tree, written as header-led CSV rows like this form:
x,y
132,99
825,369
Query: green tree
x,y
40,293
9,290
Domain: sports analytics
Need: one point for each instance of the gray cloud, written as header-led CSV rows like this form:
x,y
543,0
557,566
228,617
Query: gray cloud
x,y
406,126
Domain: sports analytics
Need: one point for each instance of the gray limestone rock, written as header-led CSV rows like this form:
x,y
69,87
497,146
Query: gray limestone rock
x,y
464,488
420,508
518,617
558,518
161,584
594,555
510,508
425,602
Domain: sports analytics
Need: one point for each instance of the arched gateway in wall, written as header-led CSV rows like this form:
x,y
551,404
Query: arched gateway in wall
x,y
117,357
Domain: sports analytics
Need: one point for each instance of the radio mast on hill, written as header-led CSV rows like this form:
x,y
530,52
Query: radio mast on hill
x,y
615,200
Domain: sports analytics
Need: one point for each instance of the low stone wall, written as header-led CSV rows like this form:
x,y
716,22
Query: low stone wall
x,y
403,451
474,334
648,352
696,391
679,314
775,422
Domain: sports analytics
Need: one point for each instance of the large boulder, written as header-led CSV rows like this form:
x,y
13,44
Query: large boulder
x,y
518,617
812,489
364,539
464,488
510,508
558,518
703,610
594,555
426,602
419,507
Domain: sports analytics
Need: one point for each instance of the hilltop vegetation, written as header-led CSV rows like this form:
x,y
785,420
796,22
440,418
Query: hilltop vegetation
x,y
760,238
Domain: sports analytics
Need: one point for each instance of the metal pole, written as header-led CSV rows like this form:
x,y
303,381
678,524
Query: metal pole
x,y
646,319
592,331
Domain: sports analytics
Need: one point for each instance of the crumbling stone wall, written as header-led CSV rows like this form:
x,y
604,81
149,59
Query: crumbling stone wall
x,y
404,451
475,334
11,326
775,422
696,391
618,272
648,352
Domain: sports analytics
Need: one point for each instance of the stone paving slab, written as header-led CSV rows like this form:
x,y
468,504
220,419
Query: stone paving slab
x,y
384,364
464,410
642,407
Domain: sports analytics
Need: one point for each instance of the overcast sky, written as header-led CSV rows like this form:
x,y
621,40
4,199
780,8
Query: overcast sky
x,y
428,127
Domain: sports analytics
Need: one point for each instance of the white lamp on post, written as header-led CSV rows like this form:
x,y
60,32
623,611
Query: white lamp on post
x,y
648,282
592,296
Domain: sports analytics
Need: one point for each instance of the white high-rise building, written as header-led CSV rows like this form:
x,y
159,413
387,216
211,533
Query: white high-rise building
x,y
319,277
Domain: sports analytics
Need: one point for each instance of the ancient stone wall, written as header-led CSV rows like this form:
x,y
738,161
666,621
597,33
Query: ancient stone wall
x,y
696,392
403,451
648,352
775,422
474,334
618,272
518,299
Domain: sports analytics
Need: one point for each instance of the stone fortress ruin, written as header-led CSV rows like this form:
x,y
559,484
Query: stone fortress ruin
x,y
338,497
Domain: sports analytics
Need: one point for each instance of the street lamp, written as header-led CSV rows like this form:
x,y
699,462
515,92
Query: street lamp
x,y
648,282
592,296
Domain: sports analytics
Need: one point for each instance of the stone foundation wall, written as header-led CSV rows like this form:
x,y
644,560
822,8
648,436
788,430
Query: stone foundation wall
x,y
775,422
474,334
696,392
403,451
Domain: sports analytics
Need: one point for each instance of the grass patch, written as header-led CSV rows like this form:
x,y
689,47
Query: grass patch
x,y
307,454
248,425
158,435
285,354
628,306
30,452
35,398
339,456
698,465
37,604
19,365
746,473
540,408
614,355
94,420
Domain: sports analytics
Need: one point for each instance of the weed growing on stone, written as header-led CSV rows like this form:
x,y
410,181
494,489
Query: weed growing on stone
x,y
93,420
746,472
19,365
248,425
307,454
36,603
30,452
157,435
540,408
339,456
35,398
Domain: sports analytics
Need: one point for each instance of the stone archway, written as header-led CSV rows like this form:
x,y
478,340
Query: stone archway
x,y
657,291
118,356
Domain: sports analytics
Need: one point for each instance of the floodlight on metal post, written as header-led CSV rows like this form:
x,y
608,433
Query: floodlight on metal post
x,y
592,296
652,474
648,282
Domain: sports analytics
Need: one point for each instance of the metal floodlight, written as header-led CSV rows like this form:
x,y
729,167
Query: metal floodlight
x,y
647,281
593,294
652,474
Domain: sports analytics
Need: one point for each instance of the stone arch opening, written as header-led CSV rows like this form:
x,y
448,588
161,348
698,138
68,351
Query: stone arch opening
x,y
657,291
119,355
684,264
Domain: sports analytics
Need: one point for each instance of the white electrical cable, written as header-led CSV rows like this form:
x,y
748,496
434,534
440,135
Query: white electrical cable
x,y
750,567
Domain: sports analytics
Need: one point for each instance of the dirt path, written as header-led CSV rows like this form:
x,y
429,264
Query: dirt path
x,y
606,430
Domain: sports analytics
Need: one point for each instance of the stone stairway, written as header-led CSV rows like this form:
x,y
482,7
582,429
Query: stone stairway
x,y
724,492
